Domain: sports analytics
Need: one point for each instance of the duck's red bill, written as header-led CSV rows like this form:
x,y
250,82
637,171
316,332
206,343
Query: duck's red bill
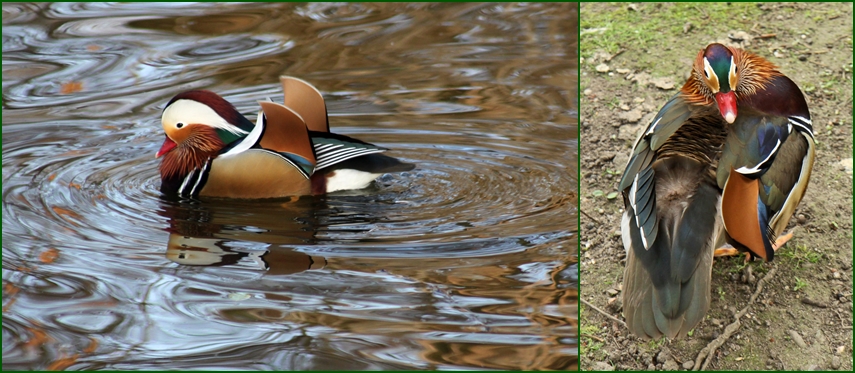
x,y
168,145
727,105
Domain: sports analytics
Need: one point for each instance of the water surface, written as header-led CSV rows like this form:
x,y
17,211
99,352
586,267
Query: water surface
x,y
466,262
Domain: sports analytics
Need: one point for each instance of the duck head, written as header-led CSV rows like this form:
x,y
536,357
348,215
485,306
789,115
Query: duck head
x,y
723,74
198,125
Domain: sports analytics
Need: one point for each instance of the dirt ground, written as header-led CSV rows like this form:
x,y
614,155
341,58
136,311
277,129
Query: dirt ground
x,y
635,57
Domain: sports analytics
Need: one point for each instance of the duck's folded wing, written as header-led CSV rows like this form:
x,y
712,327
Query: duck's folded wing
x,y
332,149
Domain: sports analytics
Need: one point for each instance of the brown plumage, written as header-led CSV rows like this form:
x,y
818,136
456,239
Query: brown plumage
x,y
212,150
725,160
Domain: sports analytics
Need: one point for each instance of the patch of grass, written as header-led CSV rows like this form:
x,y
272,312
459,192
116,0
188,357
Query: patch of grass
x,y
799,254
799,284
611,27
655,344
721,293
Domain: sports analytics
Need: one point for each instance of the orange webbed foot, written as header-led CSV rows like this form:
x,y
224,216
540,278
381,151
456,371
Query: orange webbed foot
x,y
728,250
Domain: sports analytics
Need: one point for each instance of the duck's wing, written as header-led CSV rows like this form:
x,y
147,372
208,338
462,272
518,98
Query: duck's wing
x,y
764,171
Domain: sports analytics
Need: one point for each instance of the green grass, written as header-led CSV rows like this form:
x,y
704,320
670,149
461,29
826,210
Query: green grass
x,y
799,254
799,284
611,27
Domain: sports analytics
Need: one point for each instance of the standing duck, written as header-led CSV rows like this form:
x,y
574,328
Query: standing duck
x,y
211,150
726,160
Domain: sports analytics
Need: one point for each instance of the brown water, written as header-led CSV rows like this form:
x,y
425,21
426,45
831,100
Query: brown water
x,y
468,261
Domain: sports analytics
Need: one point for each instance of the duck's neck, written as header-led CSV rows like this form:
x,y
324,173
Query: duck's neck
x,y
191,154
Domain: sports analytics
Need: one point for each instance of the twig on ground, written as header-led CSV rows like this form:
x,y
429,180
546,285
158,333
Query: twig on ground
x,y
606,314
590,217
615,55
593,337
706,354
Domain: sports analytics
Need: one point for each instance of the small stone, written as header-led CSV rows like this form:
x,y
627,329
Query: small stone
x,y
801,219
670,365
587,92
602,68
624,107
629,133
603,366
638,99
623,71
839,350
798,339
835,362
687,27
664,355
802,58
612,292
632,116
688,364
836,275
716,322
651,367
820,337
847,166
663,83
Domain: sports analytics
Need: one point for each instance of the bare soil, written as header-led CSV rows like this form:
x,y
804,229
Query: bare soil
x,y
802,317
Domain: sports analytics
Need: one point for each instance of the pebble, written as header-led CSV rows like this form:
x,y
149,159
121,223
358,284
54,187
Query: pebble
x,y
798,339
603,366
623,71
820,337
670,365
847,166
651,367
588,92
612,292
632,116
688,364
663,83
836,275
602,68
716,322
835,362
801,219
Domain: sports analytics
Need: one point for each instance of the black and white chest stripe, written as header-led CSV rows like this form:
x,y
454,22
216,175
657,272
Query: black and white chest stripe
x,y
195,181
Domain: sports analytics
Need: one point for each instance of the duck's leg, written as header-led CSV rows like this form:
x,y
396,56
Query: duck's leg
x,y
728,250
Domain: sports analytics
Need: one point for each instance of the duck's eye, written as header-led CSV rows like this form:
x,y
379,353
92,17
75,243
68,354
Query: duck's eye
x,y
179,125
706,74
735,69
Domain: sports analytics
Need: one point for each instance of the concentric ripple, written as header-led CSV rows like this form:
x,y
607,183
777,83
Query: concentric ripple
x,y
466,261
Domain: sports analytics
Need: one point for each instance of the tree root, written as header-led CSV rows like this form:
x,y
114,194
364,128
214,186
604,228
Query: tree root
x,y
705,356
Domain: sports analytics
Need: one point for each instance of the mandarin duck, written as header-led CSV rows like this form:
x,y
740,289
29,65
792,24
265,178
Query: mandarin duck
x,y
211,150
726,160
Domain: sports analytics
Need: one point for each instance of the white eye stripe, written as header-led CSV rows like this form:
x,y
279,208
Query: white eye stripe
x,y
732,76
710,73
189,111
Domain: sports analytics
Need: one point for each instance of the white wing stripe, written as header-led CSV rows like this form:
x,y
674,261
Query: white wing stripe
x,y
342,156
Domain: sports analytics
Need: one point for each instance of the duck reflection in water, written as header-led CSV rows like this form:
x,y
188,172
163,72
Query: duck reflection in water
x,y
224,233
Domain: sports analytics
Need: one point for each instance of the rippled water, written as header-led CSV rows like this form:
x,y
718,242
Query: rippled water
x,y
467,261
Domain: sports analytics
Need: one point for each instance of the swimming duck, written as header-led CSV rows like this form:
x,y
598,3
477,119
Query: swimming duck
x,y
726,160
211,150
